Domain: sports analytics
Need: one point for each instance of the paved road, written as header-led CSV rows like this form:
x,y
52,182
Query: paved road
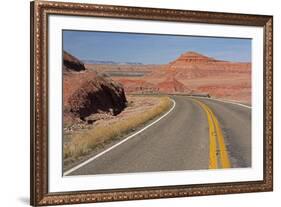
x,y
196,134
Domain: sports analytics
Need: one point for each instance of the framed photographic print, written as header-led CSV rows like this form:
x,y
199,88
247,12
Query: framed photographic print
x,y
136,103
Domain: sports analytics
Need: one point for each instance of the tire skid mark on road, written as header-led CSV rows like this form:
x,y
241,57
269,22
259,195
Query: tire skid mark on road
x,y
216,137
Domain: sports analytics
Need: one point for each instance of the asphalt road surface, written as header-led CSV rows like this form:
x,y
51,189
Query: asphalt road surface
x,y
196,134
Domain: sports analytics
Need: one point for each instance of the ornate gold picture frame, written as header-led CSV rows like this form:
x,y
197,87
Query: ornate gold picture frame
x,y
42,11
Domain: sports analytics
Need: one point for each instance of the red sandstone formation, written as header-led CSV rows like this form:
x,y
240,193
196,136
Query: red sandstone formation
x,y
197,73
97,95
86,92
172,85
192,57
202,74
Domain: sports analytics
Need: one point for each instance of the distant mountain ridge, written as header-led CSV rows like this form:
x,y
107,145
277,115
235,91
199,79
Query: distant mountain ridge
x,y
110,62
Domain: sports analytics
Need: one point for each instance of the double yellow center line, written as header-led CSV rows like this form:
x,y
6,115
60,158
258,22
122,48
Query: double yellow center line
x,y
218,151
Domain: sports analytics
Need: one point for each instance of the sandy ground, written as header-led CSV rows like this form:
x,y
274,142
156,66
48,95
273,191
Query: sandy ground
x,y
136,105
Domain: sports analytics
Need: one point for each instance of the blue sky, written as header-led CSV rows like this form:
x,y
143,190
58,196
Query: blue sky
x,y
151,49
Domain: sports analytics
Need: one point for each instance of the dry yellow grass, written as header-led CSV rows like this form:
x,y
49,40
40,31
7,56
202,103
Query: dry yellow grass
x,y
82,143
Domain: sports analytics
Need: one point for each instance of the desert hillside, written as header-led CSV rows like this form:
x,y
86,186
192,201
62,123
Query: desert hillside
x,y
97,110
86,92
190,73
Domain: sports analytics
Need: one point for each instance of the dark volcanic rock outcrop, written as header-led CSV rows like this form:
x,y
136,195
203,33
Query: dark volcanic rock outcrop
x,y
97,95
71,63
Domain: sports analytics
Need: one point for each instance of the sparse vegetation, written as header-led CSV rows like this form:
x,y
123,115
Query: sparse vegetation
x,y
83,142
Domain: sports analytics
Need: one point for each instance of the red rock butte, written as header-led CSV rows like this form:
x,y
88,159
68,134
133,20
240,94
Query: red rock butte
x,y
191,72
193,57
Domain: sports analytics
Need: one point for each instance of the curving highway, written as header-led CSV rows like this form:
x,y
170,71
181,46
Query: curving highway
x,y
196,134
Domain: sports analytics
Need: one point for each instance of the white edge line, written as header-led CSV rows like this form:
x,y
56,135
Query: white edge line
x,y
225,101
119,143
239,104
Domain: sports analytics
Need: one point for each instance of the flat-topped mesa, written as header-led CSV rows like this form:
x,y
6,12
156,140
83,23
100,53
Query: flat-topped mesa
x,y
193,57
